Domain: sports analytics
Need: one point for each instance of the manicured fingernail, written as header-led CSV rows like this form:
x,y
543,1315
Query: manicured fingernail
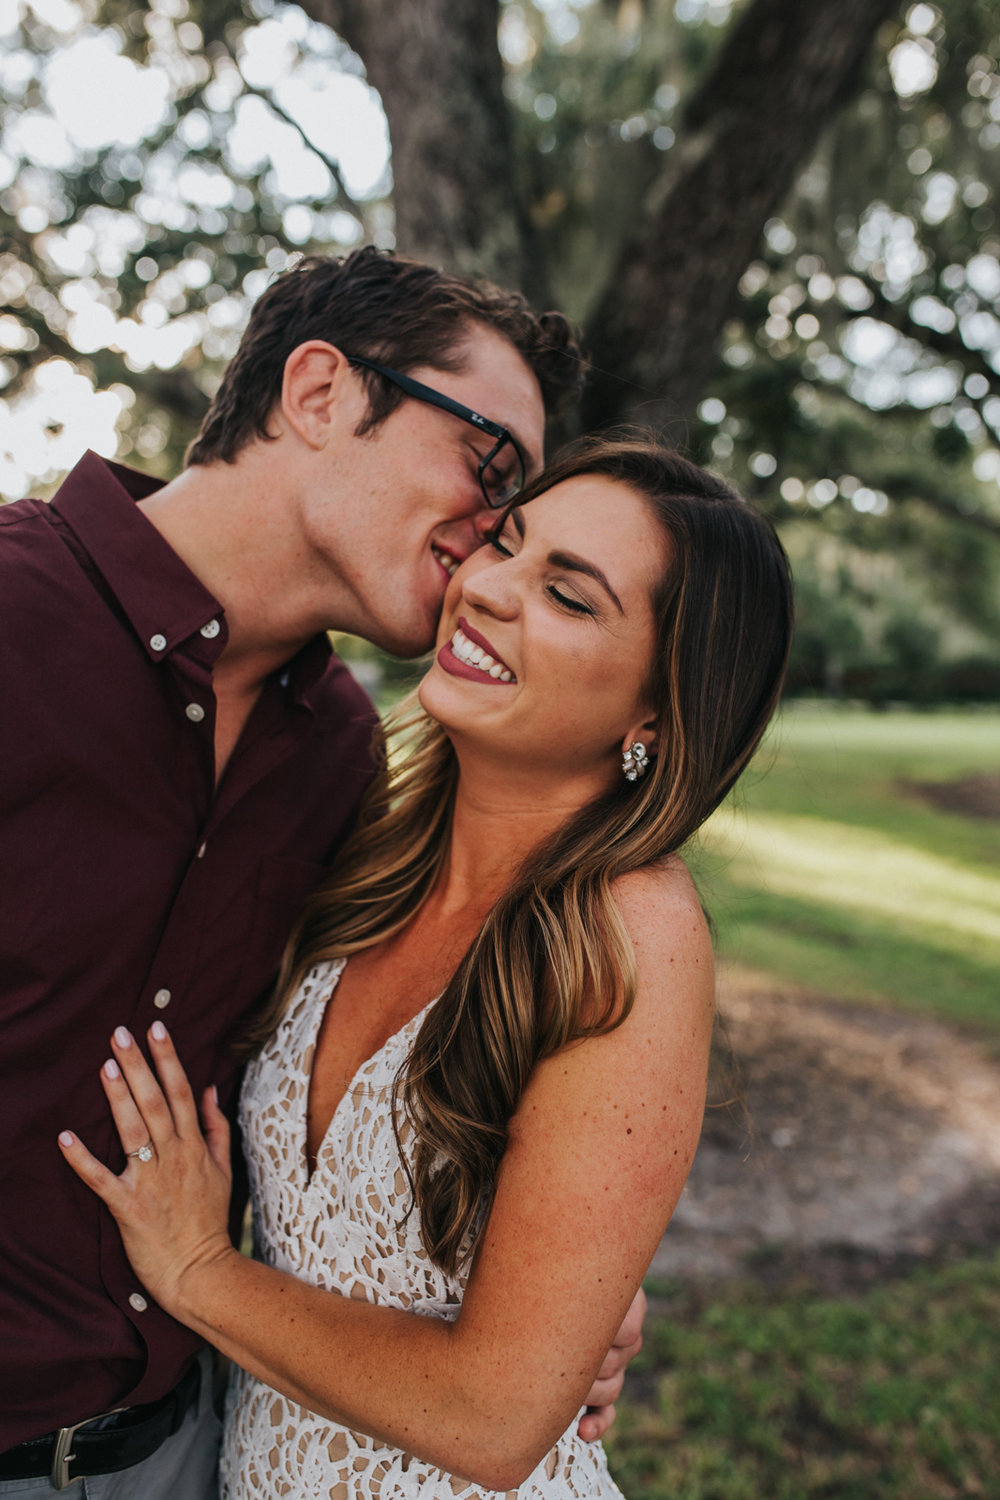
x,y
158,1031
123,1037
111,1069
215,1094
65,1138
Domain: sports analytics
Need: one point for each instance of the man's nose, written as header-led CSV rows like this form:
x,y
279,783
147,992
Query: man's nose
x,y
484,521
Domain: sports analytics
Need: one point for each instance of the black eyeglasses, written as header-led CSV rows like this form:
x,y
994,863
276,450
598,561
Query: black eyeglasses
x,y
498,488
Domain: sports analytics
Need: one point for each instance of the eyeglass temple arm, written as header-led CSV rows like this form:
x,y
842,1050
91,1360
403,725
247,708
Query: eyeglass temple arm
x,y
435,398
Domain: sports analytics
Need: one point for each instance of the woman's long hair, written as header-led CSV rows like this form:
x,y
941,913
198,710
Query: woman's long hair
x,y
552,961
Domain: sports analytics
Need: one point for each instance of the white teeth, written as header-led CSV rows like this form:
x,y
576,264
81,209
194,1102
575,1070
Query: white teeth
x,y
448,563
475,656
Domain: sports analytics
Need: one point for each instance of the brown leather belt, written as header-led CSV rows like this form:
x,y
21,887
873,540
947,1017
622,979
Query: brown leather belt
x,y
104,1444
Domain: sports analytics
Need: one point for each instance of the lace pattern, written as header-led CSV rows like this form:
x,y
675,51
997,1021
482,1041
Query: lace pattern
x,y
346,1228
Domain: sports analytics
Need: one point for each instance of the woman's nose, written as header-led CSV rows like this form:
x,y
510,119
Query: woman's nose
x,y
493,588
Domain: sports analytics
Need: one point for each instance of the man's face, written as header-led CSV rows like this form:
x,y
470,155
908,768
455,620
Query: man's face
x,y
414,506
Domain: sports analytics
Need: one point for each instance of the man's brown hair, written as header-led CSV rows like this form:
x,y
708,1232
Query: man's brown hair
x,y
395,311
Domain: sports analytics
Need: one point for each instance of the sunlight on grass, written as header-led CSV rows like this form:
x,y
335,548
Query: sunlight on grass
x,y
834,867
917,744
859,869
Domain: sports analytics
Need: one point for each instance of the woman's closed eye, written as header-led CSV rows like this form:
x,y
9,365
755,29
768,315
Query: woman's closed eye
x,y
569,601
500,542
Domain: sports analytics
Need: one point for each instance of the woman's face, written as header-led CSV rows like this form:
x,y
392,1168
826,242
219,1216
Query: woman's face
x,y
547,635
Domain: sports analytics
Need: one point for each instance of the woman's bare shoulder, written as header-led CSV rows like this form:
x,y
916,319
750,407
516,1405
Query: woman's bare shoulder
x,y
659,905
674,963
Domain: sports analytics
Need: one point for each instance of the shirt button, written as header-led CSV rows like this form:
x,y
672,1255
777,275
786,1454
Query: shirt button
x,y
201,851
158,642
161,999
211,630
195,712
138,1301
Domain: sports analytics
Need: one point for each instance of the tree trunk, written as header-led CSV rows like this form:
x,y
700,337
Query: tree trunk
x,y
781,73
437,69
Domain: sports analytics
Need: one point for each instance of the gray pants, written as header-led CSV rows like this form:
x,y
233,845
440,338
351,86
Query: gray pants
x,y
182,1468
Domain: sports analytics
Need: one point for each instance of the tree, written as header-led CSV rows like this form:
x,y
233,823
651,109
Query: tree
x,y
773,220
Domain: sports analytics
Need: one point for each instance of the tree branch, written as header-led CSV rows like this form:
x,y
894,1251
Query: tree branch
x,y
900,488
331,164
783,71
897,315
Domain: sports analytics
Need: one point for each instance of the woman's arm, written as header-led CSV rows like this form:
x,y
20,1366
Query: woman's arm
x,y
598,1153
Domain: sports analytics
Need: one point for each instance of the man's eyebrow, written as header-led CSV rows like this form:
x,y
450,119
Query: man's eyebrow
x,y
570,560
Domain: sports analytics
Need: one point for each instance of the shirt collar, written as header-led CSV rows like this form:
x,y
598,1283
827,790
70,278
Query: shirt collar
x,y
306,667
162,598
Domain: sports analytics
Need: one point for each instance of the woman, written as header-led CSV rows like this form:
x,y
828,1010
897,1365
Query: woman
x,y
486,1116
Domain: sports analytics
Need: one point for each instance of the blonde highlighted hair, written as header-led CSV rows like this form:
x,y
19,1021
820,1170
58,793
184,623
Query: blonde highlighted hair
x,y
552,961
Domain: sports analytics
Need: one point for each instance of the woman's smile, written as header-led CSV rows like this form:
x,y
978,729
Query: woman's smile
x,y
469,654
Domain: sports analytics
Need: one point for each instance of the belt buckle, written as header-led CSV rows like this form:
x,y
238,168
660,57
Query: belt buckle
x,y
59,1476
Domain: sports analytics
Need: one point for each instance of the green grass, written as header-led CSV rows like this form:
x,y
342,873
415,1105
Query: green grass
x,y
744,1394
829,870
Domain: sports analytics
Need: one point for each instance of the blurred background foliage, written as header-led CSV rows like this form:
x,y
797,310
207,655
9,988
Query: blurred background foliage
x,y
160,162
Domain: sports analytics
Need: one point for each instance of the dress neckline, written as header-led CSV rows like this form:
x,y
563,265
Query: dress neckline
x,y
308,1048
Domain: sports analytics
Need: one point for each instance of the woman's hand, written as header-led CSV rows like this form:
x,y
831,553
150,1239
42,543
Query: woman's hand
x,y
172,1200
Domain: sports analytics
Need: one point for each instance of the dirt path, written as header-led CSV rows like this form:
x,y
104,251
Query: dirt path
x,y
873,1140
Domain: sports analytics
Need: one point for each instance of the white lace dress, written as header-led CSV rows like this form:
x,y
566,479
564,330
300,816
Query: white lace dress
x,y
343,1228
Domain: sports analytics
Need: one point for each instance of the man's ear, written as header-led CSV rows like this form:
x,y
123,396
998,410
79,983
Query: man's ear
x,y
317,381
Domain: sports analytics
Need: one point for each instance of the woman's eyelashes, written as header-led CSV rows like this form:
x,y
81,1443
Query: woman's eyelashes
x,y
496,540
576,605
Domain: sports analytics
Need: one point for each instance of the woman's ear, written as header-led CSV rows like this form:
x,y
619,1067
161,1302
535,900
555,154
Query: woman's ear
x,y
317,379
643,734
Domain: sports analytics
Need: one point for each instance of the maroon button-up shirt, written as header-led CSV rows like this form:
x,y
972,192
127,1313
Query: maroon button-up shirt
x,y
130,889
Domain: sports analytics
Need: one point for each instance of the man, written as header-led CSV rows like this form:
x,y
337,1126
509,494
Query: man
x,y
181,757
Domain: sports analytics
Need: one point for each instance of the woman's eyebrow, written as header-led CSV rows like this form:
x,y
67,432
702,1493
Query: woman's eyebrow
x,y
581,565
570,560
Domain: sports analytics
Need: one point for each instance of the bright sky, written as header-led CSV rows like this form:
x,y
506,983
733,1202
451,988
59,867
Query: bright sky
x,y
95,97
